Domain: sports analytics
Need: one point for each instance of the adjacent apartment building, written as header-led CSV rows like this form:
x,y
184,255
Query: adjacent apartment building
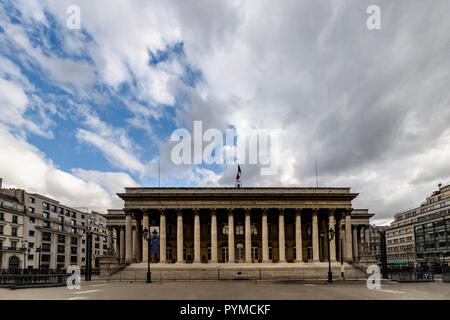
x,y
46,233
97,225
12,213
420,234
371,240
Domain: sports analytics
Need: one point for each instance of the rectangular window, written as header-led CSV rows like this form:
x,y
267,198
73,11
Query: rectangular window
x,y
31,233
1,229
61,258
73,250
74,240
32,220
31,200
13,245
46,215
30,209
61,238
73,259
14,231
30,257
31,245
15,219
61,219
45,258
46,236
61,249
46,247
2,217
60,227
46,224
45,206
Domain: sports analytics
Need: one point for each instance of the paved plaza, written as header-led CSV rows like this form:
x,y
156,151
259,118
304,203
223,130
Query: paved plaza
x,y
235,290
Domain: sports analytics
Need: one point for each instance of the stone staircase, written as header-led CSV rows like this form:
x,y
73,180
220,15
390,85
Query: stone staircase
x,y
272,271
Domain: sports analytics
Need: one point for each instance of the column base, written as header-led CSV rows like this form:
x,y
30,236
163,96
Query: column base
x,y
213,261
267,261
282,261
197,262
179,262
299,261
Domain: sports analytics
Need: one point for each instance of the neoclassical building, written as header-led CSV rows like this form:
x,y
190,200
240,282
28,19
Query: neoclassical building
x,y
238,225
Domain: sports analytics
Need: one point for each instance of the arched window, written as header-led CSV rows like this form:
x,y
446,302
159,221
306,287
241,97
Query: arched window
x,y
13,263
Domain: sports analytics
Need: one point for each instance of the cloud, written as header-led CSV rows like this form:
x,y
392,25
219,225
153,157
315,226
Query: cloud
x,y
371,107
24,166
116,155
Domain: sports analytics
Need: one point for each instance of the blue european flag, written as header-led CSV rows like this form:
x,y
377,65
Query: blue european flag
x,y
154,245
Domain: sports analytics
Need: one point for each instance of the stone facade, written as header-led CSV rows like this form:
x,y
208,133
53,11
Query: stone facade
x,y
239,225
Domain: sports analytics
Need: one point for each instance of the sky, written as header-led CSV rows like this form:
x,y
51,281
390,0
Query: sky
x,y
88,111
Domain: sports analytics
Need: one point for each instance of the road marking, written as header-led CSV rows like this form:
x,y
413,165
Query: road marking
x,y
390,291
99,285
77,298
87,291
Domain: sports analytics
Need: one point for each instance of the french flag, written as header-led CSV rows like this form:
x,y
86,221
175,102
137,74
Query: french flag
x,y
238,176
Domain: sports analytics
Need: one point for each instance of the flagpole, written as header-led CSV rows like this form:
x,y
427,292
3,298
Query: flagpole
x,y
317,177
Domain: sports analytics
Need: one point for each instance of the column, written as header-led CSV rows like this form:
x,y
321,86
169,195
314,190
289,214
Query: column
x,y
129,238
355,242
122,244
298,236
138,239
162,237
231,255
117,253
248,237
341,243
348,236
331,226
134,243
315,235
145,225
180,237
281,237
323,241
213,236
265,237
197,246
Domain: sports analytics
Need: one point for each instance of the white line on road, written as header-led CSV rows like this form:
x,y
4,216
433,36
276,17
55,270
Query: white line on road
x,y
390,291
99,285
87,291
77,298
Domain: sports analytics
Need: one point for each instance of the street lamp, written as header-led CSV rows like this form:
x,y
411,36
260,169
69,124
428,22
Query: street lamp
x,y
148,238
330,236
39,250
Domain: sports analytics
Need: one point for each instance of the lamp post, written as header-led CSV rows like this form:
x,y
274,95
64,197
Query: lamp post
x,y
39,250
330,236
148,238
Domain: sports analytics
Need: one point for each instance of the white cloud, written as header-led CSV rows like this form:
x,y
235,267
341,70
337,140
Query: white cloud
x,y
24,166
116,155
370,106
